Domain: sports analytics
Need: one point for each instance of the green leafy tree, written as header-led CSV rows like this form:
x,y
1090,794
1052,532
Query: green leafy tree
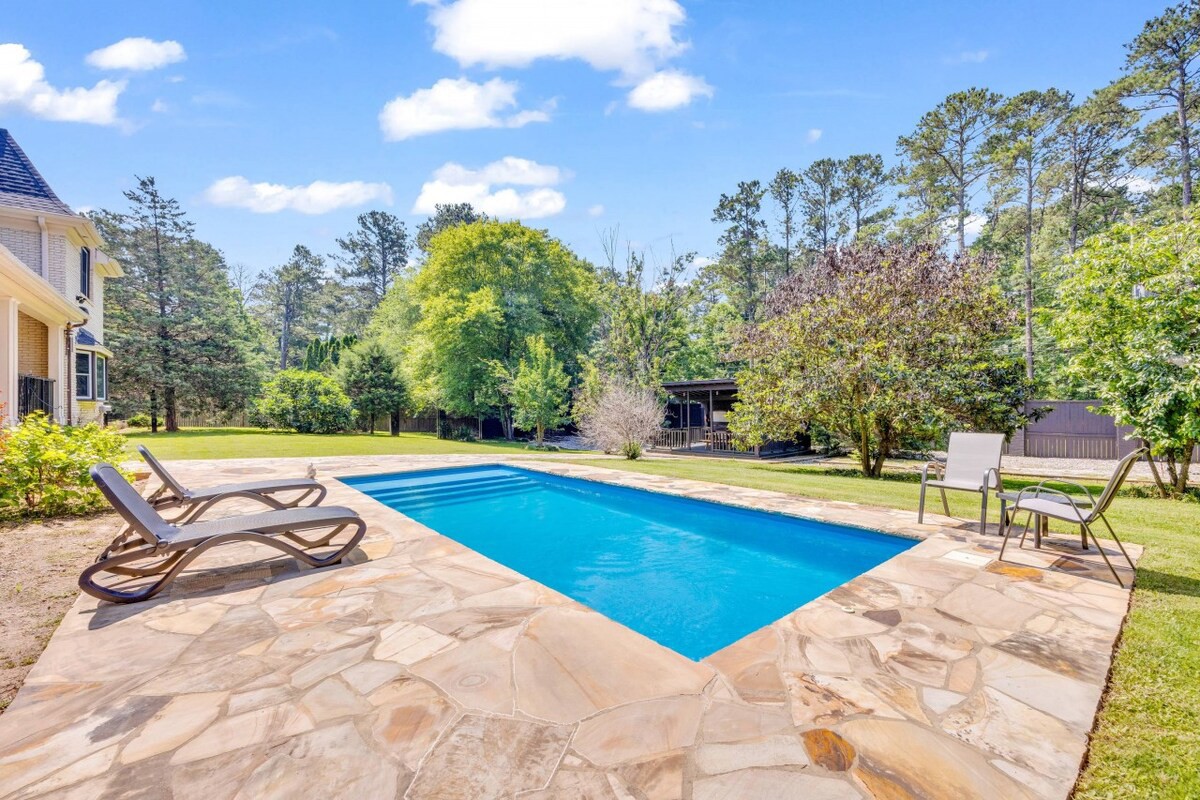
x,y
537,389
372,379
306,402
1025,147
286,298
946,155
740,268
1128,312
485,288
445,215
1161,73
880,345
374,256
175,323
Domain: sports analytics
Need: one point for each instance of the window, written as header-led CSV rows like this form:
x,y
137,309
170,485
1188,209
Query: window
x,y
83,376
101,378
85,272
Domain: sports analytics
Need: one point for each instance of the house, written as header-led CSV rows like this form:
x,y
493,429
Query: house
x,y
696,422
52,273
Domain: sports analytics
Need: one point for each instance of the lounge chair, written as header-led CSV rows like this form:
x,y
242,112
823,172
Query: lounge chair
x,y
169,548
194,502
972,465
1045,503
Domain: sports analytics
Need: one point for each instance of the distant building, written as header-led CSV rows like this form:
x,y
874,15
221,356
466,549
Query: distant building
x,y
52,274
697,422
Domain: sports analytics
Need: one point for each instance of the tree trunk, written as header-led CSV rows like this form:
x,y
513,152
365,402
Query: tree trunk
x,y
153,411
540,431
1029,272
1185,463
169,409
864,448
1185,139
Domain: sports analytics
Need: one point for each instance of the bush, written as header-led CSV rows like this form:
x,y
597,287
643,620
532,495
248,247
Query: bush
x,y
622,419
306,402
44,467
458,433
138,420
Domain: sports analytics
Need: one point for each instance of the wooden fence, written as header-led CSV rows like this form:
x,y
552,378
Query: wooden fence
x,y
1071,430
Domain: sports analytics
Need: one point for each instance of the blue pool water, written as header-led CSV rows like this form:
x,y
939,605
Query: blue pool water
x,y
692,575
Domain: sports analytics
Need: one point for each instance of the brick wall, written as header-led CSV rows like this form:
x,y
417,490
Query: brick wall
x,y
60,248
32,343
25,245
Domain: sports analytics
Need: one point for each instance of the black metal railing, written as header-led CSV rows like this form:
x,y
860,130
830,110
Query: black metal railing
x,y
34,394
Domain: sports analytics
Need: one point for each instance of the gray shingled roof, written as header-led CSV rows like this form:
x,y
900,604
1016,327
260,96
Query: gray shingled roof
x,y
21,185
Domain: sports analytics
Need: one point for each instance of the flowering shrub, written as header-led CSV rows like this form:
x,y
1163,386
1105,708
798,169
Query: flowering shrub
x,y
306,402
44,466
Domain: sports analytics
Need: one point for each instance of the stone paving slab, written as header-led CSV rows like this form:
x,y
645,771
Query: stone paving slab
x,y
424,670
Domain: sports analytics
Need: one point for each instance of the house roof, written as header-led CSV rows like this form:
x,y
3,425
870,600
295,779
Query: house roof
x,y
21,185
713,384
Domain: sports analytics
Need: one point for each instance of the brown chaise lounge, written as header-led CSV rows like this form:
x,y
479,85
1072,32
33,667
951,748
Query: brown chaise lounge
x,y
194,502
151,546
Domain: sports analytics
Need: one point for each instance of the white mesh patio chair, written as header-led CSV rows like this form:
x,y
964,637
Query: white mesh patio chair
x,y
972,465
1045,503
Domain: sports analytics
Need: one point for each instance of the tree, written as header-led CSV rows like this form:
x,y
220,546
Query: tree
x,y
372,380
1024,146
323,354
445,215
485,288
739,266
864,179
306,402
374,255
880,345
1161,72
821,195
945,152
623,419
175,324
785,191
286,297
1128,312
1093,137
537,389
644,327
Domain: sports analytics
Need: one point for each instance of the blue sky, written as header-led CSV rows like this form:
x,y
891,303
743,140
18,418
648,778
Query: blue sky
x,y
637,113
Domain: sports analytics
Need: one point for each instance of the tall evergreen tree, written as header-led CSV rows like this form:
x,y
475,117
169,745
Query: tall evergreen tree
x,y
374,255
739,267
785,191
445,216
175,325
821,196
1161,73
945,153
1094,138
286,298
864,181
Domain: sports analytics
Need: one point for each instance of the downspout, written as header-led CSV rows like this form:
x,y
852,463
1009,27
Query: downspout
x,y
45,265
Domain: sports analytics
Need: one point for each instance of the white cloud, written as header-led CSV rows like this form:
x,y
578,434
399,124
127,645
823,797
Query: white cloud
x,y
454,183
628,36
634,38
596,211
318,197
160,106
456,104
814,135
668,89
700,262
1136,184
137,53
968,57
23,86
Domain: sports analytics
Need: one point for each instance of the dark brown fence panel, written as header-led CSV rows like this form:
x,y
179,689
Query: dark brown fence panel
x,y
1072,430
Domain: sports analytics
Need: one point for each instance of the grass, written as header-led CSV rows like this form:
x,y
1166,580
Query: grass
x,y
1147,740
195,443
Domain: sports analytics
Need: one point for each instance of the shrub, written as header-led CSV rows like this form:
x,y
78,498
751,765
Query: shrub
x,y
622,419
138,420
306,402
44,466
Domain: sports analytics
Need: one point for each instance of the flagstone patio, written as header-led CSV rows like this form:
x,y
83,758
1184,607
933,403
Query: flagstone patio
x,y
424,670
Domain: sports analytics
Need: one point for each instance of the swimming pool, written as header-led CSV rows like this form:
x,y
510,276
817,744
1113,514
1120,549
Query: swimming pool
x,y
692,575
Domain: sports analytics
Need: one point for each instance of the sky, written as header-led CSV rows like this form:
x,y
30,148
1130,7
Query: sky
x,y
277,124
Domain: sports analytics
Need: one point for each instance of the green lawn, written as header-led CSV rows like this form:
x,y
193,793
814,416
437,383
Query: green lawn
x,y
1147,744
256,443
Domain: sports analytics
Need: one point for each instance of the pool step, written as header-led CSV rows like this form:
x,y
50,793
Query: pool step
x,y
442,501
432,494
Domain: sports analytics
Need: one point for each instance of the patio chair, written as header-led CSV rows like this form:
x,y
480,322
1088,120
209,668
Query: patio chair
x,y
194,502
972,465
1046,503
169,548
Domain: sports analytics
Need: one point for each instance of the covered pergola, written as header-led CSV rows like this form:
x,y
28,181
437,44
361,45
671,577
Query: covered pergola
x,y
696,422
